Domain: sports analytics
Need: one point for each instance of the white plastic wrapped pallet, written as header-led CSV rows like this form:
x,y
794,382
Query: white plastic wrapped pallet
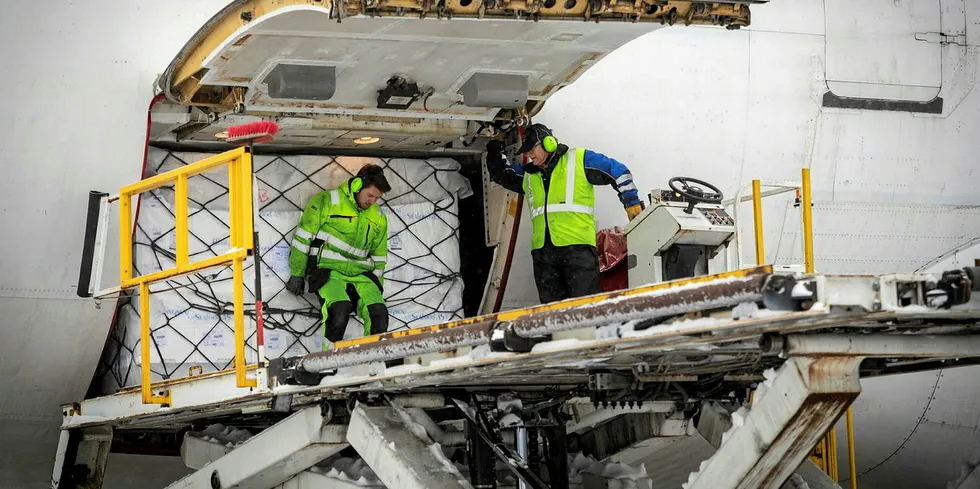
x,y
191,318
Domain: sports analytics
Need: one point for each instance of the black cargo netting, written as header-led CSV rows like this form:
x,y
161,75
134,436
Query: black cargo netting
x,y
192,322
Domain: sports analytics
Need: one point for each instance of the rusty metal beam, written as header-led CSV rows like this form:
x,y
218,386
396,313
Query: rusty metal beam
x,y
603,298
658,303
635,304
806,398
394,348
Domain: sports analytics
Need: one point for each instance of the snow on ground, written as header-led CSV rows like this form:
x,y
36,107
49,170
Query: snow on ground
x,y
579,464
220,434
509,403
510,421
352,470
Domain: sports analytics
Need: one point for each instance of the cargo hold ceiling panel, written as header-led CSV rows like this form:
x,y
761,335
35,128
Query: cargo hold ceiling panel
x,y
440,56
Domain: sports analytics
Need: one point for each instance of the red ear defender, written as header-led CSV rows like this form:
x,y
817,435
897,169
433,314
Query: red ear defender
x,y
254,132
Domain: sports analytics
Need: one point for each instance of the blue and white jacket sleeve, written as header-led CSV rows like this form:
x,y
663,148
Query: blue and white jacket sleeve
x,y
603,170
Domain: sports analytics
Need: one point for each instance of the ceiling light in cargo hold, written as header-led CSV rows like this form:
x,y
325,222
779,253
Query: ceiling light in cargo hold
x,y
366,140
302,82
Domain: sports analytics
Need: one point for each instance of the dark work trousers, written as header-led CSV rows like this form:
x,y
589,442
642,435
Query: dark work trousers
x,y
564,272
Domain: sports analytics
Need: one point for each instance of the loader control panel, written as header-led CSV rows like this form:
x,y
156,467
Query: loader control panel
x,y
680,235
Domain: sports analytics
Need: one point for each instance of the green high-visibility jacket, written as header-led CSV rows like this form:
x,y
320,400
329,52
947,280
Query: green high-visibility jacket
x,y
351,240
566,206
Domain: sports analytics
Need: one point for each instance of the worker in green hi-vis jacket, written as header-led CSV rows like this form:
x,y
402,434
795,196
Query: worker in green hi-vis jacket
x,y
340,247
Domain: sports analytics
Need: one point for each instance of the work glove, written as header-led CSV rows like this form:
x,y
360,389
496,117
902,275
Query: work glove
x,y
295,285
634,210
495,147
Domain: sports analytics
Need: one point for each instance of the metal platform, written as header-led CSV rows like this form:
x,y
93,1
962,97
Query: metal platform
x,y
707,337
711,338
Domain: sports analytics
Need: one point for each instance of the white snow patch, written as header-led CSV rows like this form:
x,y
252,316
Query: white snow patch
x,y
909,310
354,471
417,429
745,310
511,420
436,450
220,434
738,417
339,378
558,345
509,403
800,291
738,420
677,327
451,361
579,464
481,352
770,376
402,369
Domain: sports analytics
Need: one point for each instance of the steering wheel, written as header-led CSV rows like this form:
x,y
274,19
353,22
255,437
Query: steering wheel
x,y
694,193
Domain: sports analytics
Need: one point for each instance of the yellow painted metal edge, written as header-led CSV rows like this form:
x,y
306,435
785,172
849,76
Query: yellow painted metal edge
x,y
851,459
807,221
195,168
183,380
760,249
214,261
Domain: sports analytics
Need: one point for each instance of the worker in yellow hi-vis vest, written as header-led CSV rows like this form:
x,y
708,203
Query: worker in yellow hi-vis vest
x,y
558,188
341,246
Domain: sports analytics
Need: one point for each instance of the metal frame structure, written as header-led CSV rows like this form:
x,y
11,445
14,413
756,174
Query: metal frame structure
x,y
241,244
834,305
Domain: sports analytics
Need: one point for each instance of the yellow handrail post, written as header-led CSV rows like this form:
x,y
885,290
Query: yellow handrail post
x,y
240,378
147,387
760,250
145,342
807,222
832,442
180,218
125,238
851,459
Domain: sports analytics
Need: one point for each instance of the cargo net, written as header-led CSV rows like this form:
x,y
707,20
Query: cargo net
x,y
192,322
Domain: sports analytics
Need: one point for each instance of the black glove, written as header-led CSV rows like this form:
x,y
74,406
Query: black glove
x,y
295,285
495,147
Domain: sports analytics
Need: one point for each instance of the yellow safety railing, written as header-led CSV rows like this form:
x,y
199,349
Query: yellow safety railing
x,y
239,163
824,455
